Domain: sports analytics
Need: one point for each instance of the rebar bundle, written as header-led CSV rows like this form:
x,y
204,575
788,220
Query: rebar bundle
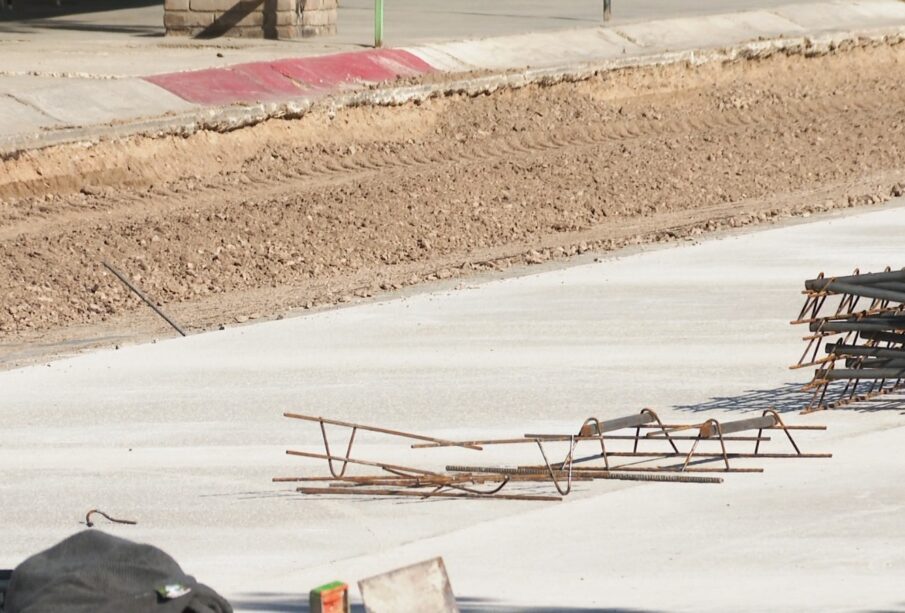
x,y
856,339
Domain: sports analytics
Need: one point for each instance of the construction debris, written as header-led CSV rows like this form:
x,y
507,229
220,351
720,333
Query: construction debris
x,y
857,321
413,589
90,523
662,460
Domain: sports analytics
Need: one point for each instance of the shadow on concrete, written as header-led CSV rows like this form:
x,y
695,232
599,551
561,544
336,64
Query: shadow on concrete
x,y
130,17
9,27
789,398
280,603
44,9
784,399
240,10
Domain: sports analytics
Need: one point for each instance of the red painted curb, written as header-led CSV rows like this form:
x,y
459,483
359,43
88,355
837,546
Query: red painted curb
x,y
268,81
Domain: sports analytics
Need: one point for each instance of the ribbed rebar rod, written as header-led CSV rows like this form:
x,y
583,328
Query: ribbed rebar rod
x,y
595,473
413,494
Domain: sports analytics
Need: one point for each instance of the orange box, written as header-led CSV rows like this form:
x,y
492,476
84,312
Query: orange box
x,y
330,598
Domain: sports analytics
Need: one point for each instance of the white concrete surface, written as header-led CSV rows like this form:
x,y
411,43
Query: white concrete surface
x,y
658,36
16,113
79,102
184,436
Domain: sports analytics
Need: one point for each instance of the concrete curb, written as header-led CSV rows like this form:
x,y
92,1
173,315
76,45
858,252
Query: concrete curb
x,y
577,60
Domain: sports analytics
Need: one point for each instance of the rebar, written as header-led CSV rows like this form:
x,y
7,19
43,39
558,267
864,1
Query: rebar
x,y
661,444
861,331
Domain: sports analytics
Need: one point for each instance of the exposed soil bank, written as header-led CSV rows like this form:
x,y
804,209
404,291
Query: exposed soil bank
x,y
346,203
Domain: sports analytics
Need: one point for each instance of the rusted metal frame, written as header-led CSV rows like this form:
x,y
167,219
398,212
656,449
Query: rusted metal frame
x,y
394,469
403,493
600,433
568,488
813,343
812,302
662,429
643,419
782,426
424,480
701,437
399,433
776,427
869,312
469,490
453,486
329,453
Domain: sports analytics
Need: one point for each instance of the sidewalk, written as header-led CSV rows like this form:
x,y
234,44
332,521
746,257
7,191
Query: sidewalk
x,y
83,88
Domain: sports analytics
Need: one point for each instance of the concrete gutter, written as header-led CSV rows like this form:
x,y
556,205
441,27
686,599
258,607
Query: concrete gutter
x,y
513,61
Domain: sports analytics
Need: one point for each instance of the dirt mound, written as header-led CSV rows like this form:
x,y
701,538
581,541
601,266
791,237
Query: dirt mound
x,y
290,214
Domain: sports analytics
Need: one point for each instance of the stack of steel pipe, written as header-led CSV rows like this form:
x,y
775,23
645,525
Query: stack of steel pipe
x,y
857,336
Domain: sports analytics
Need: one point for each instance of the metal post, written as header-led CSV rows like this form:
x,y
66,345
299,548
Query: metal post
x,y
378,23
607,10
143,297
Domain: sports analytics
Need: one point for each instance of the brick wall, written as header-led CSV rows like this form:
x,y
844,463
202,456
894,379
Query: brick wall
x,y
252,18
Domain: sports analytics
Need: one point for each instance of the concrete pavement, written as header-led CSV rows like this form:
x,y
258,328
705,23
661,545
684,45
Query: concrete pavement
x,y
184,435
60,90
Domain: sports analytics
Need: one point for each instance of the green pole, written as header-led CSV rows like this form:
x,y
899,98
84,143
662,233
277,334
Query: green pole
x,y
378,23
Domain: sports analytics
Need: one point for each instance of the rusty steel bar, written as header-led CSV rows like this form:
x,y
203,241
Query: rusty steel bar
x,y
386,492
676,469
323,456
427,480
731,455
144,298
594,473
346,424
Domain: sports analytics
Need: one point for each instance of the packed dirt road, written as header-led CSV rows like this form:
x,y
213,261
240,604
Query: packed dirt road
x,y
347,203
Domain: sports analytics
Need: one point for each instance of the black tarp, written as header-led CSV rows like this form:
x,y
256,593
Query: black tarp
x,y
94,572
